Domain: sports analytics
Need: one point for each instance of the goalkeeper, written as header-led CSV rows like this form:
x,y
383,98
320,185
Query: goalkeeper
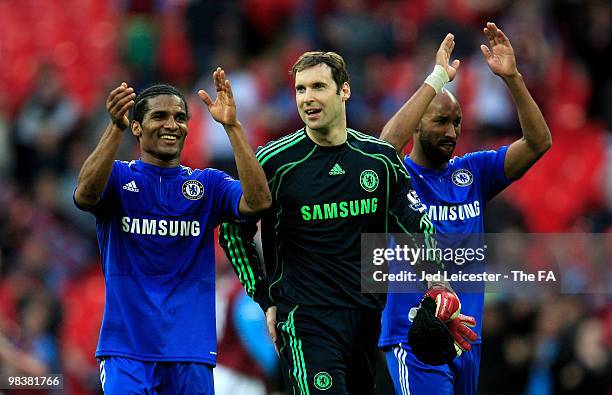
x,y
432,117
329,185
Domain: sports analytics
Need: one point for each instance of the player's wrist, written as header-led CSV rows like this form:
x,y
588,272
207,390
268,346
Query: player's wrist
x,y
117,129
513,78
438,78
118,125
233,127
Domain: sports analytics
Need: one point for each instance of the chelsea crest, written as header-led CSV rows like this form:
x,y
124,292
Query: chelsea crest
x,y
193,189
462,178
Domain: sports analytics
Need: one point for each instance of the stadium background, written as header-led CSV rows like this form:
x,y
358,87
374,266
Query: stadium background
x,y
59,59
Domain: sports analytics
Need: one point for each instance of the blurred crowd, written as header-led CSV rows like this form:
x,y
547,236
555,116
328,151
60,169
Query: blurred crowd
x,y
60,58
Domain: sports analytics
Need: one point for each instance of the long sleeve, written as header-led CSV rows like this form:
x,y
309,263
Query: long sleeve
x,y
237,241
408,214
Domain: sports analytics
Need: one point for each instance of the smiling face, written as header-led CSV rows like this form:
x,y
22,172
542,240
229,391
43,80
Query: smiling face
x,y
440,128
320,103
162,131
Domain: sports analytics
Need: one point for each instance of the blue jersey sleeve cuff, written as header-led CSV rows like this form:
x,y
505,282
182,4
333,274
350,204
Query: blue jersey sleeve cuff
x,y
499,166
237,196
81,207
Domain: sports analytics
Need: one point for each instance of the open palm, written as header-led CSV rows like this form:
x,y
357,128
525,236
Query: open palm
x,y
223,109
500,56
443,56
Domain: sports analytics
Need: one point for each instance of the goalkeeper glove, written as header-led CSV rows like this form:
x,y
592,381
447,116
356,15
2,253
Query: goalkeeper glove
x,y
429,338
448,306
461,332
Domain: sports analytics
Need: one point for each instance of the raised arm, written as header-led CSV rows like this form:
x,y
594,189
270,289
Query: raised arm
x,y
97,168
398,131
536,140
256,195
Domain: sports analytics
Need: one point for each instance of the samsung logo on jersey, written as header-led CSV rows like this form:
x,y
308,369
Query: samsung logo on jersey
x,y
160,227
335,210
452,213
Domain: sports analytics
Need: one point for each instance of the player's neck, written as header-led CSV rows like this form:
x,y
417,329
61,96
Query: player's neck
x,y
153,160
418,156
328,137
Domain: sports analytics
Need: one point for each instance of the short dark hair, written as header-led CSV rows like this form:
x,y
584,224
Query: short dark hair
x,y
141,101
332,59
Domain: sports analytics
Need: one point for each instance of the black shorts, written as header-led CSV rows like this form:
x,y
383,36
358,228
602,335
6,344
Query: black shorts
x,y
328,350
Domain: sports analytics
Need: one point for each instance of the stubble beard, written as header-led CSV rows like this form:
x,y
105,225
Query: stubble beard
x,y
432,152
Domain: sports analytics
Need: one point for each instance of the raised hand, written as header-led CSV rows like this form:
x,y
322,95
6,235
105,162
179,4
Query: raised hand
x,y
443,56
223,109
499,55
118,104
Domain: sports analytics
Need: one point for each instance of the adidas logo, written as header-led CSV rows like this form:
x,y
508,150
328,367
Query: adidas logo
x,y
131,186
336,170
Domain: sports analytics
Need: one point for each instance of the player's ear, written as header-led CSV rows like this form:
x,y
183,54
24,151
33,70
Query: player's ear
x,y
345,91
136,129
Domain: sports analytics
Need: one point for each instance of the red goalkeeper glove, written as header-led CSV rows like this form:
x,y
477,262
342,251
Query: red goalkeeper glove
x,y
448,306
461,332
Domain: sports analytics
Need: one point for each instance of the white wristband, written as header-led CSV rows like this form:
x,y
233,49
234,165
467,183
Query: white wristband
x,y
437,78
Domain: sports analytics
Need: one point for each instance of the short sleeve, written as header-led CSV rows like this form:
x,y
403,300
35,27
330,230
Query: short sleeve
x,y
227,192
105,205
490,166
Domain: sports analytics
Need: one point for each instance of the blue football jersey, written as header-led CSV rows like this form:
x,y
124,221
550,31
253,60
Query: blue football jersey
x,y
455,199
155,231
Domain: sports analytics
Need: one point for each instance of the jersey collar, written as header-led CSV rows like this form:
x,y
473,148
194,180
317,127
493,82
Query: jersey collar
x,y
162,171
427,170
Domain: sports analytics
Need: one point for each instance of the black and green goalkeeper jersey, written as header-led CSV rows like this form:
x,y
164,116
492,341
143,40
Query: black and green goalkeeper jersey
x,y
324,198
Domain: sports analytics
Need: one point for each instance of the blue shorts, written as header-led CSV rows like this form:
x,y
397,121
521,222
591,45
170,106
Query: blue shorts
x,y
120,375
411,376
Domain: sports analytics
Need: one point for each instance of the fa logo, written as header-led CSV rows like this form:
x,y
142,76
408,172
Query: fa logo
x,y
322,381
369,180
462,178
193,189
